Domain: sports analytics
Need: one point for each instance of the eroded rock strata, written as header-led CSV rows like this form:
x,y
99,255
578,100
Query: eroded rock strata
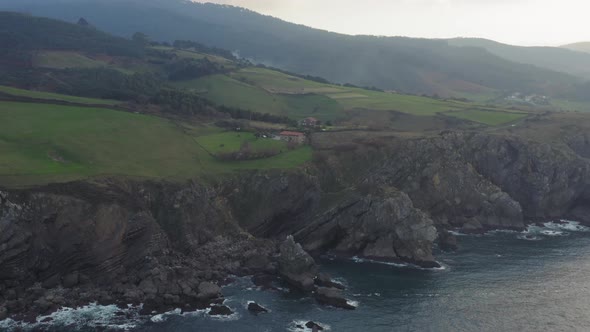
x,y
169,245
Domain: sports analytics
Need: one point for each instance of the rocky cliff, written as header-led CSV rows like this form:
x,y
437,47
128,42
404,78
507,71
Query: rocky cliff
x,y
116,241
162,244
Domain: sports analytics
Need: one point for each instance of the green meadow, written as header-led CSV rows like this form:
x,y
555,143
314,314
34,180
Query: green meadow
x,y
65,59
42,143
267,91
54,96
488,117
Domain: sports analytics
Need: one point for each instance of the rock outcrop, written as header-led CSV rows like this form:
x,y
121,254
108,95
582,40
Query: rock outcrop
x,y
118,242
296,266
332,297
256,308
381,225
440,181
167,245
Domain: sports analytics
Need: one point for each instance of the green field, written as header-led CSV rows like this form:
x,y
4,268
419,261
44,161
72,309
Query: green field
x,y
54,96
42,143
267,91
65,59
569,105
232,141
186,54
488,117
224,90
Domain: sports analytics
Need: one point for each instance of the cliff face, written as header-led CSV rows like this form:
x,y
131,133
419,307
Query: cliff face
x,y
479,181
157,243
118,241
382,225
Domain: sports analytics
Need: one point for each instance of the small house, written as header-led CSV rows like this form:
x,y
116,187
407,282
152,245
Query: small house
x,y
292,136
309,122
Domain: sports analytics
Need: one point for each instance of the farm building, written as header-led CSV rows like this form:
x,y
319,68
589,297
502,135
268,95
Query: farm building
x,y
309,122
292,136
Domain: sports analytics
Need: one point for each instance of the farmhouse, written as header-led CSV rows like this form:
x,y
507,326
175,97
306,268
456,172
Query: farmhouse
x,y
309,122
292,136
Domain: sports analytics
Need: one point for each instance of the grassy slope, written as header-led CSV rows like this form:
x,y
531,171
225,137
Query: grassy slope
x,y
225,90
346,97
65,59
269,91
54,96
231,141
186,54
491,118
570,105
41,143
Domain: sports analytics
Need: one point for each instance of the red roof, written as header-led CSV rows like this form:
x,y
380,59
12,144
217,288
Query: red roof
x,y
291,133
311,119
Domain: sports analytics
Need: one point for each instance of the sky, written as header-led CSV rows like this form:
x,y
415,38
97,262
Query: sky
x,y
518,22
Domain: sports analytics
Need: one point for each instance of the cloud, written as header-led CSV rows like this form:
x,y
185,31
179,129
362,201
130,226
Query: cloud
x,y
253,4
527,22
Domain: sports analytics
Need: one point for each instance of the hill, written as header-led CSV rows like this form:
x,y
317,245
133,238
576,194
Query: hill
x,y
45,143
171,111
402,64
198,80
552,58
581,47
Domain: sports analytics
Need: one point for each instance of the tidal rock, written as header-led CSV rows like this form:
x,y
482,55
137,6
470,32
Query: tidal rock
x,y
208,291
324,280
313,326
332,297
3,313
256,308
296,266
447,241
264,280
220,310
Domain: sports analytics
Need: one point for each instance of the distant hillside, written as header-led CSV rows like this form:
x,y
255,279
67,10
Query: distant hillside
x,y
553,58
403,64
24,33
581,47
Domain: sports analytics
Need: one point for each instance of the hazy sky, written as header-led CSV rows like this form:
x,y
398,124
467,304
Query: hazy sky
x,y
522,22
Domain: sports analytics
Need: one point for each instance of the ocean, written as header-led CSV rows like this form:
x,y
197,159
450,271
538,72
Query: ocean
x,y
538,280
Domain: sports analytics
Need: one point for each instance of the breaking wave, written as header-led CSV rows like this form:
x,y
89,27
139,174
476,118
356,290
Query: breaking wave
x,y
551,229
299,326
93,316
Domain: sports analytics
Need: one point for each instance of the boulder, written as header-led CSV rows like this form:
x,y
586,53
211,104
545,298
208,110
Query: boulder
x,y
324,280
296,266
257,263
255,308
332,297
51,282
70,280
208,291
3,313
220,310
313,326
147,286
447,241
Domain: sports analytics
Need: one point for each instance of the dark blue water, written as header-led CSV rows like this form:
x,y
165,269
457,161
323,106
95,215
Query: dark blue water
x,y
496,282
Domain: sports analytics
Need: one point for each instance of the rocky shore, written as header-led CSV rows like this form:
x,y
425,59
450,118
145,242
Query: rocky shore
x,y
170,245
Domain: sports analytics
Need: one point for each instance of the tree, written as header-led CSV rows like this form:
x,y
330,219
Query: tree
x,y
141,38
82,21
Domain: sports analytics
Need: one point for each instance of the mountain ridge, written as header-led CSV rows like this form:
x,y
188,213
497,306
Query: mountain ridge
x,y
580,47
392,63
